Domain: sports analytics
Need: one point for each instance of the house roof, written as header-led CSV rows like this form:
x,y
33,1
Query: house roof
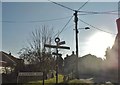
x,y
8,59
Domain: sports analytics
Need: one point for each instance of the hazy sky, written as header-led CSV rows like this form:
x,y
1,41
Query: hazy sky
x,y
15,34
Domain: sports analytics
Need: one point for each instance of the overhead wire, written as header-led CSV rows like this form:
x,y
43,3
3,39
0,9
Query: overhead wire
x,y
98,13
65,26
80,8
61,5
85,13
57,34
83,5
96,27
70,18
56,19
103,12
58,31
6,21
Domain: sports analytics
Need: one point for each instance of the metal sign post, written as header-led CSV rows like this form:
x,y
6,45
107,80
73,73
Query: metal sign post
x,y
57,46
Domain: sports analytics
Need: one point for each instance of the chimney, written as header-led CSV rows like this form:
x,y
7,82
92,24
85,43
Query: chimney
x,y
67,55
9,53
118,25
72,52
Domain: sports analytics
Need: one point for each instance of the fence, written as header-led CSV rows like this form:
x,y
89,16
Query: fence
x,y
24,77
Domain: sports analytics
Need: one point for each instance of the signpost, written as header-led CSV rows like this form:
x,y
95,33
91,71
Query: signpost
x,y
54,46
57,46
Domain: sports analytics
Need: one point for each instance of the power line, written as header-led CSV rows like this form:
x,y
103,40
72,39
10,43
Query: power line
x,y
59,32
35,21
69,7
96,27
61,5
80,8
65,26
90,13
83,5
70,18
77,11
98,13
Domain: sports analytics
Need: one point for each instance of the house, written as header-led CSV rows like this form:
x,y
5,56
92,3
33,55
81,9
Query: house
x,y
118,26
69,63
10,62
89,64
113,54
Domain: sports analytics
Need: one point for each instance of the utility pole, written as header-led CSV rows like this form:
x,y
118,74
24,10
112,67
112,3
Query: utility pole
x,y
76,32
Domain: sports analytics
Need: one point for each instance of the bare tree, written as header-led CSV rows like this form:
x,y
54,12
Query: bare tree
x,y
35,53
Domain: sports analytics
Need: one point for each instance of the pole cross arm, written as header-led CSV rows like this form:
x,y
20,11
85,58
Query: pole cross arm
x,y
54,46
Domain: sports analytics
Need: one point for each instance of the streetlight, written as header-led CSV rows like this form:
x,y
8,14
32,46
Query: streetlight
x,y
86,28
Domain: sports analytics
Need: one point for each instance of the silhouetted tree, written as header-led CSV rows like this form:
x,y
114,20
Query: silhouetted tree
x,y
107,52
35,53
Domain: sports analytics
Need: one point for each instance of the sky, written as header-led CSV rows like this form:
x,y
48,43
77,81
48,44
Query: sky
x,y
16,34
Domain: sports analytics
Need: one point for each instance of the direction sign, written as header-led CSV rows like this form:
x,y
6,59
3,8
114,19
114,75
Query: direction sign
x,y
61,43
63,47
54,46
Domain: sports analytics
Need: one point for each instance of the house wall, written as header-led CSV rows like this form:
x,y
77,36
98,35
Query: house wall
x,y
118,26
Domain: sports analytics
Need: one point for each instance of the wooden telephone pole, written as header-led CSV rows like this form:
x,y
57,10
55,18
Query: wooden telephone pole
x,y
76,32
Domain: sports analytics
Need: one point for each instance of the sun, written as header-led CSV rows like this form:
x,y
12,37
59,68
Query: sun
x,y
98,43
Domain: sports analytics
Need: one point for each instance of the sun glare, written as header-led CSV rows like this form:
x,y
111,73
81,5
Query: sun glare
x,y
98,43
